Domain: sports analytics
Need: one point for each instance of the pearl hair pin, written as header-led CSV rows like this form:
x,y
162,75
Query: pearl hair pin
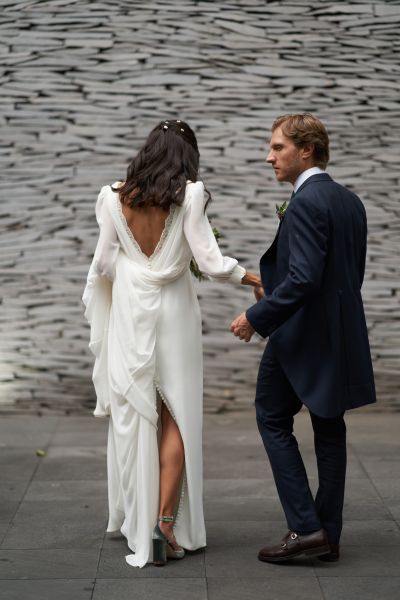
x,y
165,126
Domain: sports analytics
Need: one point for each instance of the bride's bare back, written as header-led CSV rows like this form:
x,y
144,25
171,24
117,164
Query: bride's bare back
x,y
147,225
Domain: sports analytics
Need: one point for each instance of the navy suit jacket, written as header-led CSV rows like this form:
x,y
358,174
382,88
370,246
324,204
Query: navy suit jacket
x,y
312,310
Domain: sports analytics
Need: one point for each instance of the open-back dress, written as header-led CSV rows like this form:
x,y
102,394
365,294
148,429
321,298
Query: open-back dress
x,y
145,333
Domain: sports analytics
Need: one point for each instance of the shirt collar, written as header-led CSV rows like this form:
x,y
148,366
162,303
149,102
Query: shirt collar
x,y
305,175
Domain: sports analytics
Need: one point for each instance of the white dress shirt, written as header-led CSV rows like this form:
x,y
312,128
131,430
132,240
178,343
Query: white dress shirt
x,y
305,175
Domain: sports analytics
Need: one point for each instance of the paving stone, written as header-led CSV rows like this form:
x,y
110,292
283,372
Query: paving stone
x,y
61,524
48,564
90,438
242,488
78,589
379,562
73,463
383,532
368,588
18,464
251,461
389,490
150,589
66,490
382,466
229,508
11,494
4,525
28,432
248,531
362,502
274,588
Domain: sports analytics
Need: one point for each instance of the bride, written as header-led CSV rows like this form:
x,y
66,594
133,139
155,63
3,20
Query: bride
x,y
145,333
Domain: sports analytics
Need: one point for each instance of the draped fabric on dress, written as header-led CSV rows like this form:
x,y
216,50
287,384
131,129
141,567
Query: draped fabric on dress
x,y
146,337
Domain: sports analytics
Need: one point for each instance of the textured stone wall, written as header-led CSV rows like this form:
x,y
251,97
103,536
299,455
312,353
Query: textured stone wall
x,y
82,82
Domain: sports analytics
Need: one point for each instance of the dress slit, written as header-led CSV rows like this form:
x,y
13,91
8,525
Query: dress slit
x,y
164,400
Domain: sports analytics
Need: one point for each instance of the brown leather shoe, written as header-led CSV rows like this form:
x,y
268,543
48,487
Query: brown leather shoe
x,y
333,555
292,545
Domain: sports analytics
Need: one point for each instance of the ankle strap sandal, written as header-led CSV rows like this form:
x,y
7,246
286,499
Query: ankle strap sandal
x,y
163,547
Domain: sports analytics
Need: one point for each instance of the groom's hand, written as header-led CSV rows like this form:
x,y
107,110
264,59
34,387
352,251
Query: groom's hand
x,y
242,328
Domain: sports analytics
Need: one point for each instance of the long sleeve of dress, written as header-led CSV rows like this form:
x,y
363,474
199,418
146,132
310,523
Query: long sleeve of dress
x,y
97,300
108,245
202,242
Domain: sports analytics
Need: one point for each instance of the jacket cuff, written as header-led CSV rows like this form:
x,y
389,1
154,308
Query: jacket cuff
x,y
256,318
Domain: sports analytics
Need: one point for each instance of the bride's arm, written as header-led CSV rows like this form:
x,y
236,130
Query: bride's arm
x,y
202,242
108,245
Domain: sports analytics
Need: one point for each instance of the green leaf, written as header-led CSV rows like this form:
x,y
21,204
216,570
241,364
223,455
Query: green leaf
x,y
217,233
280,210
40,452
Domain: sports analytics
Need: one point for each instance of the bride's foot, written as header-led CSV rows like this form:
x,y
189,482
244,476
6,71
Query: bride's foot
x,y
164,542
168,530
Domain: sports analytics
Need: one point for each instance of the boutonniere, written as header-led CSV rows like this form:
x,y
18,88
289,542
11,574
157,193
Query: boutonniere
x,y
280,210
194,267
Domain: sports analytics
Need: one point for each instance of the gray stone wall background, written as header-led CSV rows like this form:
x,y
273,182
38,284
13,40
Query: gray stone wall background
x,y
82,83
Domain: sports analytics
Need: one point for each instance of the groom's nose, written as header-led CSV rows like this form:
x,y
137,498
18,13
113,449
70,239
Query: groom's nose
x,y
270,158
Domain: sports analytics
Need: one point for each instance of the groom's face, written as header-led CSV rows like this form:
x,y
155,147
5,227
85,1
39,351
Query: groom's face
x,y
284,157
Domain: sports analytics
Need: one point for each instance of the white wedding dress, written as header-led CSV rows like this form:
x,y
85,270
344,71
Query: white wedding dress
x,y
146,337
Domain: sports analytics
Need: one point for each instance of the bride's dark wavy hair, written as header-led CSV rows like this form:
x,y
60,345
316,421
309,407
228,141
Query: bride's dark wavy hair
x,y
158,174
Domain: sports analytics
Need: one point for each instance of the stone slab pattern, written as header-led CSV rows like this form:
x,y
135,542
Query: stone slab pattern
x,y
83,83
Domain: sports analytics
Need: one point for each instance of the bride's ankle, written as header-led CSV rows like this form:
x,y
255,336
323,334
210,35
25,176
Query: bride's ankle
x,y
166,524
166,528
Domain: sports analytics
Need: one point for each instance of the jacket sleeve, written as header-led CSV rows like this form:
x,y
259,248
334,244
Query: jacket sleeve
x,y
363,254
308,230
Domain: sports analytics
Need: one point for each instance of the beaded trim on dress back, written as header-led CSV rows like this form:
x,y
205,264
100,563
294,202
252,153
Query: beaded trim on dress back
x,y
160,243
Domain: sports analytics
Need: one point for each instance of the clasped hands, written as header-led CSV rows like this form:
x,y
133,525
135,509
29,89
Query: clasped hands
x,y
241,327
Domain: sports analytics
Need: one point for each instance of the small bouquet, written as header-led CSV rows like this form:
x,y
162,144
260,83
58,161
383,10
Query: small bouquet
x,y
280,210
194,267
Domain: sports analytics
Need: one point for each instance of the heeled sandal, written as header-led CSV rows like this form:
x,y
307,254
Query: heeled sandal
x,y
163,546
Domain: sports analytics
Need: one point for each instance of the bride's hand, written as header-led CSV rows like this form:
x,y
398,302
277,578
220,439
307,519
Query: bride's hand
x,y
250,278
259,292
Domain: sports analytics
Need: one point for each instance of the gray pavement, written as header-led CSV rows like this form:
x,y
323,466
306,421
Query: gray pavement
x,y
53,514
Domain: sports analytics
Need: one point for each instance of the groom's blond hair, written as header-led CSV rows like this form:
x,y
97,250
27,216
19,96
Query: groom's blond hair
x,y
304,129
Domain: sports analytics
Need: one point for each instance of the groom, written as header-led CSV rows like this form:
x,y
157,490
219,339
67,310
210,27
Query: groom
x,y
318,352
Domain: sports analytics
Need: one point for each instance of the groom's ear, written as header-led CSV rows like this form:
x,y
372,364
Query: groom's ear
x,y
307,151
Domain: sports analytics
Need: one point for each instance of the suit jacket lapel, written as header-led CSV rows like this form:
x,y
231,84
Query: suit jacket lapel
x,y
274,243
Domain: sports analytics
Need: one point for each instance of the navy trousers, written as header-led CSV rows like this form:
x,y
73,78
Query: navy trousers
x,y
276,405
